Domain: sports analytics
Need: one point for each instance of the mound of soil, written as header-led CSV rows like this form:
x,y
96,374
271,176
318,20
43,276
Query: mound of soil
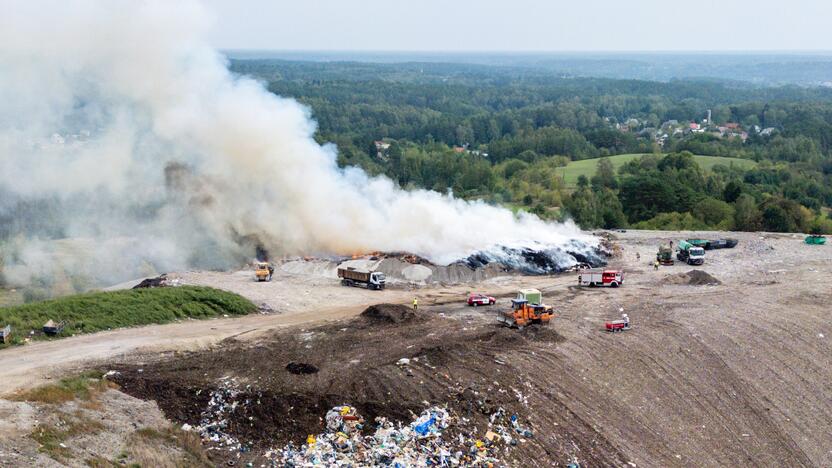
x,y
389,313
692,278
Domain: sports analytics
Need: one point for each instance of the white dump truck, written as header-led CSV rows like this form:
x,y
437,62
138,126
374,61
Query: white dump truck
x,y
690,254
361,278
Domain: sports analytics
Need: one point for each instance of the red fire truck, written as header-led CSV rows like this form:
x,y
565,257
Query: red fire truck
x,y
611,278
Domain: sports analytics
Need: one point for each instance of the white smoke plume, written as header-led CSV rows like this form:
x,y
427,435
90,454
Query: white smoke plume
x,y
121,128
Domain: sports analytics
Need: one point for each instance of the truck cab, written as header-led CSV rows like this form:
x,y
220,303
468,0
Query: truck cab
x,y
377,279
691,254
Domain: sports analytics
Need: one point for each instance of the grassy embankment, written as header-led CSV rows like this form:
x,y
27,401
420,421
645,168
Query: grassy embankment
x,y
92,312
587,167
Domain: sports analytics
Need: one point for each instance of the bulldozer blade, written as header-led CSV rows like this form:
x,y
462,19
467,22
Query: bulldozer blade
x,y
505,321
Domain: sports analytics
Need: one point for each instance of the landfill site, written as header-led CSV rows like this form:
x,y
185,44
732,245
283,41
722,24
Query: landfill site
x,y
727,363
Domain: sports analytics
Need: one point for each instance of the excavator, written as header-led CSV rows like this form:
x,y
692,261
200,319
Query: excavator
x,y
526,310
665,255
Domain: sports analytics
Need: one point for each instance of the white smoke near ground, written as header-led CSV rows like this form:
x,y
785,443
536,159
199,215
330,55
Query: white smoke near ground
x,y
122,128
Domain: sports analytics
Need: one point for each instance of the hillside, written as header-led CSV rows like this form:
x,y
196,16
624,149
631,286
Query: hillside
x,y
586,167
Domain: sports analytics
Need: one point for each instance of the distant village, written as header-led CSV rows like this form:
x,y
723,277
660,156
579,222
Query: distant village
x,y
642,129
675,128
382,146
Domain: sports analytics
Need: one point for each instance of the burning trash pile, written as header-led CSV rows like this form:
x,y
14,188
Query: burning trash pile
x,y
541,259
426,441
160,281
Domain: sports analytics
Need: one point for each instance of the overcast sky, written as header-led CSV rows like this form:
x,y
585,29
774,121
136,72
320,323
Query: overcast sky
x,y
522,25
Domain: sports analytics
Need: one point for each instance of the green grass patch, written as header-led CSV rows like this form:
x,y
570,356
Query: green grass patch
x,y
80,387
587,167
92,312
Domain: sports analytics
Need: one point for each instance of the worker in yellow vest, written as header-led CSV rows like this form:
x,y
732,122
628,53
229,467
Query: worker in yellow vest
x,y
415,303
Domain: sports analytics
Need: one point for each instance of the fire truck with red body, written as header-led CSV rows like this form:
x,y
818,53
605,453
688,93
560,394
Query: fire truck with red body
x,y
611,278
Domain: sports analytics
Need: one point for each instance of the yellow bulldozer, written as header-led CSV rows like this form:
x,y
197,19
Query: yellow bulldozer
x,y
526,309
263,271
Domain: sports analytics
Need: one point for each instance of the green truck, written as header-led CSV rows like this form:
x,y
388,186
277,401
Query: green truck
x,y
690,253
815,240
665,255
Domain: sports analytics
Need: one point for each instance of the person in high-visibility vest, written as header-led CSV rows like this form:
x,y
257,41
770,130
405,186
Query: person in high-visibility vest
x,y
415,303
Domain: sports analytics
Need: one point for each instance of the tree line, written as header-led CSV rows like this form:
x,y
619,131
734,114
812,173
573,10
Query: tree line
x,y
441,120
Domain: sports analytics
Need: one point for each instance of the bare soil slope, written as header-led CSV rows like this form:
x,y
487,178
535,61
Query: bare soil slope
x,y
734,374
711,375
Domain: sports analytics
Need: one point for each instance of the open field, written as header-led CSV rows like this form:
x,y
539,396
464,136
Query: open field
x,y
736,374
586,167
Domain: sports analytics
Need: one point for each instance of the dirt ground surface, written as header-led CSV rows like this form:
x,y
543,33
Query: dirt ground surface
x,y
291,300
730,374
110,429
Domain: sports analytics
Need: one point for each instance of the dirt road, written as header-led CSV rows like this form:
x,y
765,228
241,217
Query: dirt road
x,y
290,295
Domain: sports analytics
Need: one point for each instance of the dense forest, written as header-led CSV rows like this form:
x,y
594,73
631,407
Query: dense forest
x,y
502,133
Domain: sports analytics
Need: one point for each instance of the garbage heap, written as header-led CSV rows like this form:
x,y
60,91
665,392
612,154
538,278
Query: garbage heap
x,y
424,442
213,424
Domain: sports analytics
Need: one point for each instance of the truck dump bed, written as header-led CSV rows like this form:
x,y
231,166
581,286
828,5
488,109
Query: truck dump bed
x,y
354,274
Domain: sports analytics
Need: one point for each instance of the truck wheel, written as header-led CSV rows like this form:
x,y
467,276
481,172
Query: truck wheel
x,y
476,304
614,284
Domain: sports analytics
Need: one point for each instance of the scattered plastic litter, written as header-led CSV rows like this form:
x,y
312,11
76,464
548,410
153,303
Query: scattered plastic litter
x,y
423,442
214,420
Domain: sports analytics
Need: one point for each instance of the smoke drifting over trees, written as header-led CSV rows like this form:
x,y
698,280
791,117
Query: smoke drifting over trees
x,y
123,134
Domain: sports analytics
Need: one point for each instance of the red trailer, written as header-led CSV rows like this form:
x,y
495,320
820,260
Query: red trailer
x,y
618,325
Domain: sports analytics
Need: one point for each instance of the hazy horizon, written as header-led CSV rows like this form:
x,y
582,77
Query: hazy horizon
x,y
523,26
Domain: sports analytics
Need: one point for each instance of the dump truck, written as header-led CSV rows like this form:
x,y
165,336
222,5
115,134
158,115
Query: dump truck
x,y
592,278
665,255
263,271
361,278
690,254
526,309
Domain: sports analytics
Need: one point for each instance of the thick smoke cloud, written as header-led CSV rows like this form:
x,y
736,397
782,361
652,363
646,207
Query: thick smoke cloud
x,y
124,134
